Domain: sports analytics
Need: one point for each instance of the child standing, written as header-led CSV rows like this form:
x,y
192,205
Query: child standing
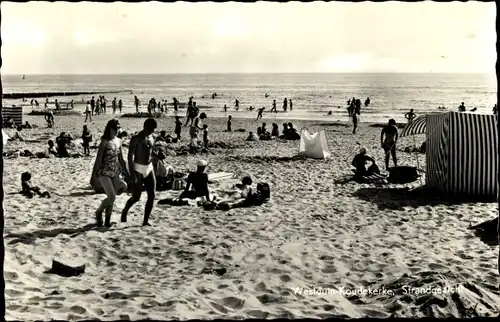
x,y
178,128
87,138
205,136
229,123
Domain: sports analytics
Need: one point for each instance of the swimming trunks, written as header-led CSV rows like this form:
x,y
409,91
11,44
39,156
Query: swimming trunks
x,y
144,170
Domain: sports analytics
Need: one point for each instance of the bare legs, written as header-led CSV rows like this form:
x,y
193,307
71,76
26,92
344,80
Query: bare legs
x,y
108,203
150,183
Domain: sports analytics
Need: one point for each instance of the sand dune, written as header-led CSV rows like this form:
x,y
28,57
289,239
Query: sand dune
x,y
315,232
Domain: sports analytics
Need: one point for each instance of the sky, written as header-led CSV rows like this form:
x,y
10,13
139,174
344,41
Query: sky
x,y
264,37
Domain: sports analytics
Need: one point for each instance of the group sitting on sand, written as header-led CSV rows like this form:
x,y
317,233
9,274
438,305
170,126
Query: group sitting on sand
x,y
289,133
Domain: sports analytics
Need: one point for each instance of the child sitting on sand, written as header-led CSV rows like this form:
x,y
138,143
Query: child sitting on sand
x,y
205,136
28,189
275,131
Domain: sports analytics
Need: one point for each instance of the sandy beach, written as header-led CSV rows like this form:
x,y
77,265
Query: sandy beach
x,y
317,231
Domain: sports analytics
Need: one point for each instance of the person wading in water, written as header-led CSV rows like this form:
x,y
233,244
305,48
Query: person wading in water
x,y
140,155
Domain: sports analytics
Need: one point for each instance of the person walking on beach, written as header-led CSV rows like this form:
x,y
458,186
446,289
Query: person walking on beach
x,y
237,104
367,102
274,107
354,122
410,115
225,108
285,105
108,166
495,110
103,103
290,101
120,105
92,105
388,139
37,105
87,112
113,104
259,112
140,156
86,138
229,124
58,107
136,103
32,101
176,104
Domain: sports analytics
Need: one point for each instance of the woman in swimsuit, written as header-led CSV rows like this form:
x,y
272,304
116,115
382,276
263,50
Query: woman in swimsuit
x,y
108,166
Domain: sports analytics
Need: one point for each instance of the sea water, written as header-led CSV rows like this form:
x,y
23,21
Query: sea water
x,y
313,95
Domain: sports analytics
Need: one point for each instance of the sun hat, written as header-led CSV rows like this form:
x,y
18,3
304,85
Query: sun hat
x,y
202,163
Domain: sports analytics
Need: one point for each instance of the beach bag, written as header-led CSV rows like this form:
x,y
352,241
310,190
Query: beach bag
x,y
264,189
403,175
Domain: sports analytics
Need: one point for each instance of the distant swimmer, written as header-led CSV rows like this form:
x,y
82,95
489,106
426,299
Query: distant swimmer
x,y
266,96
236,104
367,102
410,115
225,108
251,108
461,108
329,113
259,112
285,103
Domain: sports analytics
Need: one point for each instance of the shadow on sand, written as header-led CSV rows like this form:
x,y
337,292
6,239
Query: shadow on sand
x,y
80,194
398,198
31,237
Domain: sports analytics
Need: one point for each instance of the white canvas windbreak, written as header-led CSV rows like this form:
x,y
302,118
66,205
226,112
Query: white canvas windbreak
x,y
313,145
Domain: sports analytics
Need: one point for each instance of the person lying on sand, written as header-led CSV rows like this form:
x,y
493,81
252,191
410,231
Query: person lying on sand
x,y
245,197
359,162
16,135
198,181
28,190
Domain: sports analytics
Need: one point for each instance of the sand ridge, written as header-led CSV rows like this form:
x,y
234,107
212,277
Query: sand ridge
x,y
315,232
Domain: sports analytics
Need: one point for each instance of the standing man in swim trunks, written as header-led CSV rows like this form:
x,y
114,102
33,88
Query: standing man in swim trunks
x,y
140,155
390,131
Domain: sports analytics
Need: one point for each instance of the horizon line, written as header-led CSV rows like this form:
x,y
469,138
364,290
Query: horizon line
x,y
234,73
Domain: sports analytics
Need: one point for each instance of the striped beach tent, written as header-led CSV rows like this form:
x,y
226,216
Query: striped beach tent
x,y
461,154
15,112
417,126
